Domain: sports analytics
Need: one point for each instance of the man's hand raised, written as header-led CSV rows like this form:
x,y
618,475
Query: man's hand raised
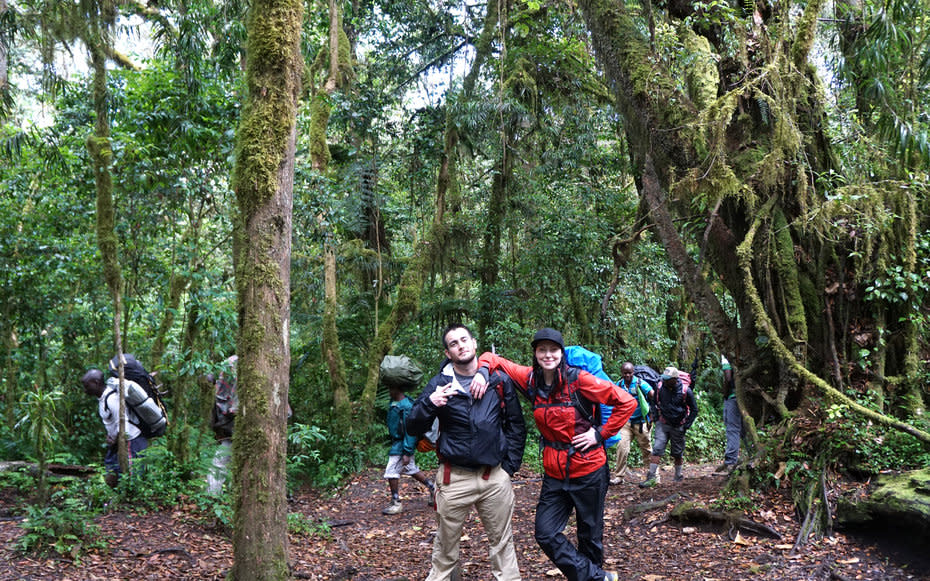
x,y
479,383
442,394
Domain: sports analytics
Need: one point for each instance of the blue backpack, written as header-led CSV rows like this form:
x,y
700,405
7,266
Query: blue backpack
x,y
589,361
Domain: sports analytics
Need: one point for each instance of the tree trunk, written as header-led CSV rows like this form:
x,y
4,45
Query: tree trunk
x,y
179,440
725,159
338,66
101,154
4,64
263,181
893,501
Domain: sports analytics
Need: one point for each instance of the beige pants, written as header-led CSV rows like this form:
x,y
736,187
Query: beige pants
x,y
493,499
628,433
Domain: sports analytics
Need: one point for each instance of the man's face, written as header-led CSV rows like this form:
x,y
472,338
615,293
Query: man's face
x,y
626,373
548,354
460,346
92,387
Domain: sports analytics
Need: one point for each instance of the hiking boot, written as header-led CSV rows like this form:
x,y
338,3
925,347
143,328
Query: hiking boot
x,y
394,508
611,576
679,477
722,469
648,483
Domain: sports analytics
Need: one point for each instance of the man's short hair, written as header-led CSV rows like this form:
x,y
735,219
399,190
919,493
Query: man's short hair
x,y
453,327
92,376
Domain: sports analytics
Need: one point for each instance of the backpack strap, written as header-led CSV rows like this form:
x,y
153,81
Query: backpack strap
x,y
130,413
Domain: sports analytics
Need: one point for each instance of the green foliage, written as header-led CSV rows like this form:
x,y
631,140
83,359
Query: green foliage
x,y
734,502
217,506
706,438
317,457
158,479
68,531
302,525
867,448
39,420
20,481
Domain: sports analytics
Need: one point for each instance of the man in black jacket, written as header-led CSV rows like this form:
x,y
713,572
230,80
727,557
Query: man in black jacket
x,y
676,409
480,447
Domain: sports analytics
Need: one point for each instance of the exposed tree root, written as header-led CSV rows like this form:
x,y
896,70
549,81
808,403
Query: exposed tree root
x,y
636,509
689,514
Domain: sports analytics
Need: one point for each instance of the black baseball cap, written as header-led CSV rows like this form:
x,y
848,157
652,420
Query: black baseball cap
x,y
548,334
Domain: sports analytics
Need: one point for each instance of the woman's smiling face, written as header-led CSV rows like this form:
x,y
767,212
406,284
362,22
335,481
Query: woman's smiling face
x,y
548,355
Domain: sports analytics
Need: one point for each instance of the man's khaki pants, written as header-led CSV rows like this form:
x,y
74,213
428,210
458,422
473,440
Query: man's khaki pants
x,y
630,432
493,499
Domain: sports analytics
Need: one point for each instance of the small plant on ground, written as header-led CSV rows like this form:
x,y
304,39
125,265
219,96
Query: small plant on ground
x,y
733,503
217,506
300,524
158,479
68,530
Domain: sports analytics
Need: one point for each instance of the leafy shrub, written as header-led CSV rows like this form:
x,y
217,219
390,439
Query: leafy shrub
x,y
218,506
316,456
734,502
300,524
68,530
869,448
19,480
159,479
706,439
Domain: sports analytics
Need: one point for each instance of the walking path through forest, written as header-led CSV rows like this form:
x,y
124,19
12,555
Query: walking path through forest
x,y
365,545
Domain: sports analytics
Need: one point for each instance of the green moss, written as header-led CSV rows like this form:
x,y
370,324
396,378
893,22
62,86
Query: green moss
x,y
268,118
787,268
319,121
806,31
702,76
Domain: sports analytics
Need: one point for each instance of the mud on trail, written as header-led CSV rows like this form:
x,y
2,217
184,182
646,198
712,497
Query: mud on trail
x,y
365,545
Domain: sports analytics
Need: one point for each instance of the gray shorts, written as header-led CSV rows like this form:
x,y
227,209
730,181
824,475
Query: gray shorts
x,y
395,467
664,434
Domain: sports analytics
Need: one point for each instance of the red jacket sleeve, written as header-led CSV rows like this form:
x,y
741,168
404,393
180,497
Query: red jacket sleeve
x,y
520,374
601,391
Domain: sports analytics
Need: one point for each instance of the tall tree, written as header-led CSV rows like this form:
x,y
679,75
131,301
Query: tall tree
x,y
100,21
4,60
336,60
728,143
263,182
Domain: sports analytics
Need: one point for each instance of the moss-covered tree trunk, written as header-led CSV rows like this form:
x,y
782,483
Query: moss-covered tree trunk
x,y
727,138
263,181
338,68
101,155
4,64
183,388
407,303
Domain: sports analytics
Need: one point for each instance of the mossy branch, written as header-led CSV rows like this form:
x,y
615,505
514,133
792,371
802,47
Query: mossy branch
x,y
744,252
807,27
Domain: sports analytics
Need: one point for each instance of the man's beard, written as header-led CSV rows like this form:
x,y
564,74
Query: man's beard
x,y
465,361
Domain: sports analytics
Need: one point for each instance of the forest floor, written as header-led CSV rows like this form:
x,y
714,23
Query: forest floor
x,y
364,545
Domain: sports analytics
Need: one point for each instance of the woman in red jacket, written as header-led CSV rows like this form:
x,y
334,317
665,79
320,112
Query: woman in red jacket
x,y
564,400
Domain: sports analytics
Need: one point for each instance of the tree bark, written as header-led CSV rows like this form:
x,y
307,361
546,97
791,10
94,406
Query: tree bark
x,y
734,150
337,71
263,181
4,65
101,154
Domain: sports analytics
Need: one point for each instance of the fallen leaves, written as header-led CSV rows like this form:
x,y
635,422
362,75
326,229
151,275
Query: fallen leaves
x,y
180,543
741,540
